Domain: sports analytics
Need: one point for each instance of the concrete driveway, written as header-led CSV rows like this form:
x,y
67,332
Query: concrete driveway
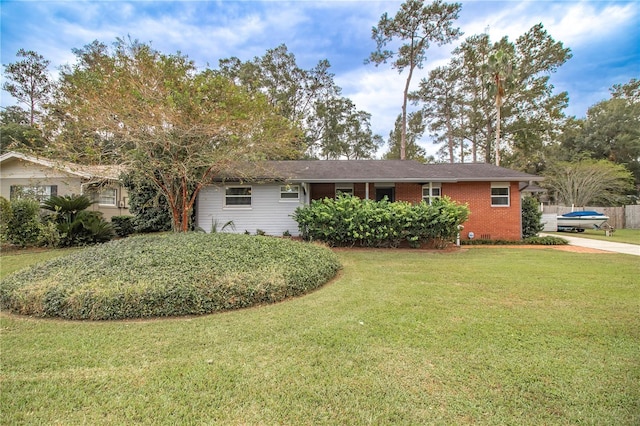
x,y
600,245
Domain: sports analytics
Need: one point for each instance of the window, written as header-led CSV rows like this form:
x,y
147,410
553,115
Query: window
x,y
344,189
500,194
108,197
290,193
431,191
36,192
237,196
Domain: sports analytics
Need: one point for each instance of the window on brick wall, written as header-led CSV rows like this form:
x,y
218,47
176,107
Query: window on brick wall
x,y
346,189
500,194
431,191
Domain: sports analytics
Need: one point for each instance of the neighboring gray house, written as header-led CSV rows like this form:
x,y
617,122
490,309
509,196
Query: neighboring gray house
x,y
266,202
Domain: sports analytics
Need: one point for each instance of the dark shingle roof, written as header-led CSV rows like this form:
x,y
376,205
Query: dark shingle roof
x,y
387,171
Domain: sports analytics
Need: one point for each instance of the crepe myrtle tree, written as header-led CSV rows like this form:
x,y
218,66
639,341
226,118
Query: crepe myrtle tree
x,y
166,121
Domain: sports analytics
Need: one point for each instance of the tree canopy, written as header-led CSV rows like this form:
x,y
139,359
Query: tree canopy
x,y
333,127
28,81
487,87
168,122
611,130
588,182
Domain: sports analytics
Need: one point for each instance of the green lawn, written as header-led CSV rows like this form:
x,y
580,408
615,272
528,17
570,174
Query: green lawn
x,y
629,236
480,336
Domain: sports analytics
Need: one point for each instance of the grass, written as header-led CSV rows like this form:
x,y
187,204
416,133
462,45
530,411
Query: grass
x,y
492,336
629,236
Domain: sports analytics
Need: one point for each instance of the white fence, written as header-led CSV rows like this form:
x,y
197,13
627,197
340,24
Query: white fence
x,y
619,217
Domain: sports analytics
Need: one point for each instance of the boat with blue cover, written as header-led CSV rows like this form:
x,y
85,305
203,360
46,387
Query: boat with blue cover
x,y
579,221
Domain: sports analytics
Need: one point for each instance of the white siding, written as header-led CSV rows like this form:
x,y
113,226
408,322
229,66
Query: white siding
x,y
267,212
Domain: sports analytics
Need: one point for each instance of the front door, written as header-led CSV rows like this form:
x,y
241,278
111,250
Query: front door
x,y
388,192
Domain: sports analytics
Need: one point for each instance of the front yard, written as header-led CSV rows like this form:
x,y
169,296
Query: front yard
x,y
491,336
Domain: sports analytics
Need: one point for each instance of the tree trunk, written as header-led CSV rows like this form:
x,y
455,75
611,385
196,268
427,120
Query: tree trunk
x,y
450,140
497,147
403,135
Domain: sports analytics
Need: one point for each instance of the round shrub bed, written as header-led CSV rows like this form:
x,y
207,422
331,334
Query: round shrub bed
x,y
168,275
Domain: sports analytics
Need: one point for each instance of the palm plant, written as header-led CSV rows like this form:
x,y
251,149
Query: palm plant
x,y
76,225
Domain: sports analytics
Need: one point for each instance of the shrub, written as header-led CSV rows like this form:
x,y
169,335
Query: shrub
x,y
168,275
148,204
75,224
546,241
5,217
23,226
123,225
549,241
347,221
531,217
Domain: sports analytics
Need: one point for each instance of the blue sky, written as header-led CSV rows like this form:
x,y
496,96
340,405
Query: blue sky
x,y
604,37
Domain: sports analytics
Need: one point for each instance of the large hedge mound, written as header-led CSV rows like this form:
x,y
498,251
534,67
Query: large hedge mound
x,y
168,275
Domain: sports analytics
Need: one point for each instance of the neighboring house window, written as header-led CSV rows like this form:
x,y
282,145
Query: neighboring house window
x,y
431,191
237,196
344,189
107,197
290,193
500,194
37,192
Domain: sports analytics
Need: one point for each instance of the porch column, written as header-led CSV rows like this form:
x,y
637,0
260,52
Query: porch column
x,y
366,190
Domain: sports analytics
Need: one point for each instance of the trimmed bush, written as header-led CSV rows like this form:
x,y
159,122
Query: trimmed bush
x,y
5,216
348,221
531,217
168,275
123,225
23,226
547,241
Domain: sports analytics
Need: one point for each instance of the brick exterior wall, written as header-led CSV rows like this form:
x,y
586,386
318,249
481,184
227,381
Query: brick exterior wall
x,y
360,190
411,192
485,221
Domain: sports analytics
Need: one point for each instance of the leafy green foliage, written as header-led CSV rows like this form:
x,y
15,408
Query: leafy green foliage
x,y
148,204
16,134
610,131
348,221
168,275
123,225
460,99
167,121
76,225
588,182
531,217
544,241
23,225
5,216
